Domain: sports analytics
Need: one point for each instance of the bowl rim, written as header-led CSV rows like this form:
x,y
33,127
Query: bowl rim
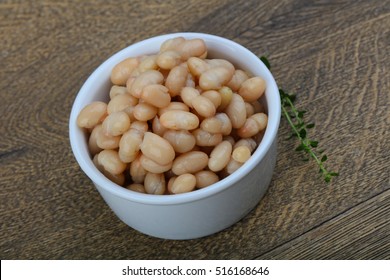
x,y
86,164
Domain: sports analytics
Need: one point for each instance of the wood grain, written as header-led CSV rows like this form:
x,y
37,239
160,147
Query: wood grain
x,y
333,54
361,232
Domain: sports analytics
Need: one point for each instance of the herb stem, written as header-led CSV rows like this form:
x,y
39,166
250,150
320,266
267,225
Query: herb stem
x,y
305,141
299,127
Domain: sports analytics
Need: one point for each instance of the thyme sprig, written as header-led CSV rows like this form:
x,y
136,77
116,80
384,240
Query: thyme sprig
x,y
299,129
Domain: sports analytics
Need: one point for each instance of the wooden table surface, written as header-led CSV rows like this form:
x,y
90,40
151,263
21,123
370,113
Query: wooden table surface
x,y
333,54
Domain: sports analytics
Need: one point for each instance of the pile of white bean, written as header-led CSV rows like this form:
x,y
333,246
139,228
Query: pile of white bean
x,y
176,121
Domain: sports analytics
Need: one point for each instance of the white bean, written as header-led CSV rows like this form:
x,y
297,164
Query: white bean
x,y
154,167
154,183
252,89
105,141
92,114
177,79
121,102
116,123
144,112
183,183
236,111
205,178
157,148
123,70
149,77
136,188
156,95
190,162
253,125
117,90
178,120
129,145
215,78
111,162
137,172
203,106
220,156
181,140
204,138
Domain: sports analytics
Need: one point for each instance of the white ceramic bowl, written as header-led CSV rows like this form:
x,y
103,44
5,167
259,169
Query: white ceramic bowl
x,y
201,212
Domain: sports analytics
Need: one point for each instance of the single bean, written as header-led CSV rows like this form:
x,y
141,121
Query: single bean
x,y
238,78
131,80
183,183
190,162
116,123
250,110
111,162
241,154
154,183
92,114
156,95
253,125
152,166
144,112
122,71
204,138
174,106
215,78
205,178
188,95
203,106
236,111
92,141
118,179
140,125
148,62
105,141
170,183
168,59
117,90
226,123
149,77
232,166
137,171
252,89
157,148
226,98
177,79
197,66
214,96
157,127
216,62
129,110
182,141
247,142
178,120
220,156
136,188
121,103
212,125
171,44
190,82
129,145
191,48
